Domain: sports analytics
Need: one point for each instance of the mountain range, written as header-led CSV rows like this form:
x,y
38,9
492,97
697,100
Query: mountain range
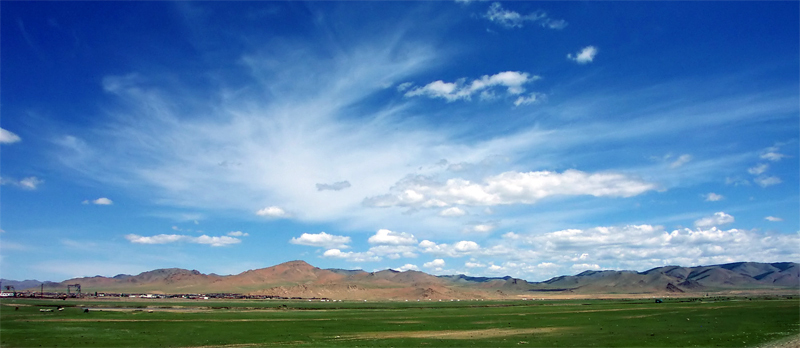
x,y
300,279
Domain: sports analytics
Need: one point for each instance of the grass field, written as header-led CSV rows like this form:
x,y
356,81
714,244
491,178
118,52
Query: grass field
x,y
722,322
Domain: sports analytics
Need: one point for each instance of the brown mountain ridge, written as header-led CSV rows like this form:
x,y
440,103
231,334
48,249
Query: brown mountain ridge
x,y
300,279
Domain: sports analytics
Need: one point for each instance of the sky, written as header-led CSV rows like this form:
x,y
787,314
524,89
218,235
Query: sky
x,y
530,139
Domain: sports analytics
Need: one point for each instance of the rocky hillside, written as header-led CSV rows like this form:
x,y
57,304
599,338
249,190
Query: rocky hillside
x,y
300,279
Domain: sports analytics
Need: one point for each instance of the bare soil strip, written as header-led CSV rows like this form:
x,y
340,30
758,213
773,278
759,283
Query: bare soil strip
x,y
786,342
452,334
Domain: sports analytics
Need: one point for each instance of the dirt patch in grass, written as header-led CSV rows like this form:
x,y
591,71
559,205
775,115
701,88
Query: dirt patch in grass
x,y
452,334
786,342
640,316
404,322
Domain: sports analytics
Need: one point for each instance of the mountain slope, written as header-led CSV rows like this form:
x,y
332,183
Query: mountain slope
x,y
300,279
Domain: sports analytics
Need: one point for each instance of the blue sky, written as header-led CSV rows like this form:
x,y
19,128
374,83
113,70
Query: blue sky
x,y
531,139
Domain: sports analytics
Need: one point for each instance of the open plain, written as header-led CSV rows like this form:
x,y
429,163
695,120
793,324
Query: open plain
x,y
677,322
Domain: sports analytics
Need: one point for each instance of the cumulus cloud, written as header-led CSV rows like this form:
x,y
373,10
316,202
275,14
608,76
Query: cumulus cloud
x,y
237,234
273,211
713,197
407,267
643,246
507,188
773,218
765,181
351,256
452,212
394,251
99,201
717,219
512,19
459,249
436,263
585,56
322,240
337,186
512,81
7,137
384,236
172,238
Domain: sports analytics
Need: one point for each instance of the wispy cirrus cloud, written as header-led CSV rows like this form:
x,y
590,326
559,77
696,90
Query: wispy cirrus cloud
x,y
512,19
8,137
29,183
337,186
512,81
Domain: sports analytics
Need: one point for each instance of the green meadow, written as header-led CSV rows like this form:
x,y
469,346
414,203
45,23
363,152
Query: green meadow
x,y
717,322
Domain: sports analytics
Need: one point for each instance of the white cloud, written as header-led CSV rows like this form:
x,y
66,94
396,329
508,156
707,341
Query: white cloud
x,y
404,86
459,249
682,159
640,247
765,181
759,169
29,183
717,219
481,227
772,156
407,267
466,246
351,256
532,98
237,234
511,19
102,201
512,81
586,266
7,137
322,240
172,238
452,212
273,211
586,55
508,188
394,251
436,263
215,241
337,186
472,264
384,236
773,218
713,197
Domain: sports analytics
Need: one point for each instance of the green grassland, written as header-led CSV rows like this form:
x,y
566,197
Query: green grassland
x,y
720,322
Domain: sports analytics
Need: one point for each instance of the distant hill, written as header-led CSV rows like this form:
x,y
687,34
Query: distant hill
x,y
739,275
300,279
